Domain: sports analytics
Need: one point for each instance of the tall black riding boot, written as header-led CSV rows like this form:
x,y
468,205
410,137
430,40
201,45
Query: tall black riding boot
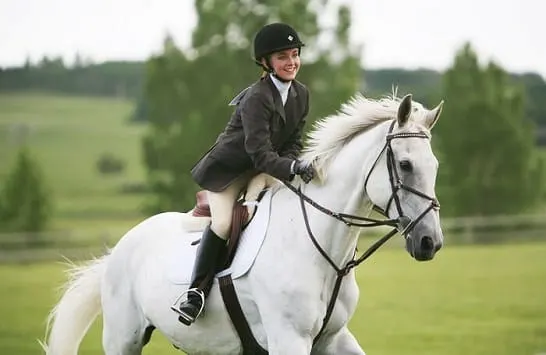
x,y
210,252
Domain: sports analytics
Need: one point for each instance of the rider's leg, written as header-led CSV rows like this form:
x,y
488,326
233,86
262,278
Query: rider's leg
x,y
211,250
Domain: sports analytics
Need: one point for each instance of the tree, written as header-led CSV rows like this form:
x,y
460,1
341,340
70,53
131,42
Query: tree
x,y
24,201
78,61
489,162
187,91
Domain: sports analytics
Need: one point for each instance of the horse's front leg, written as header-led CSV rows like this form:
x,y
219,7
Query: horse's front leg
x,y
341,343
282,342
284,336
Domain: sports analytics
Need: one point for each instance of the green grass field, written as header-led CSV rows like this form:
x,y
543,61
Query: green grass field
x,y
469,300
67,135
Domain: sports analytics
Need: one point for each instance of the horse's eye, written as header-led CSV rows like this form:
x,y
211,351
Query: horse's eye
x,y
405,165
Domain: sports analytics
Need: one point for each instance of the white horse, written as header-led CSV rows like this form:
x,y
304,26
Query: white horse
x,y
373,152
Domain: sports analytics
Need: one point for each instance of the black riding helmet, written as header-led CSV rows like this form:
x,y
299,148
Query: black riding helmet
x,y
273,38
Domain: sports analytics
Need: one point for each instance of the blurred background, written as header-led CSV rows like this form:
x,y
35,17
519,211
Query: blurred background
x,y
106,105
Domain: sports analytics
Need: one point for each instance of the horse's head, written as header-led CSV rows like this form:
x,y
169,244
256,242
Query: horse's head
x,y
402,181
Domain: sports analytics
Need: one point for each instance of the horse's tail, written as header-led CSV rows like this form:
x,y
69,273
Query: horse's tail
x,y
80,304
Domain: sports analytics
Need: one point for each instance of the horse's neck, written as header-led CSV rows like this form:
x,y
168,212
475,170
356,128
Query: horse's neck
x,y
344,192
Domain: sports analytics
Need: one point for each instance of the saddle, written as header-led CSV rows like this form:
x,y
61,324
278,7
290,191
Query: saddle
x,y
202,208
240,219
242,214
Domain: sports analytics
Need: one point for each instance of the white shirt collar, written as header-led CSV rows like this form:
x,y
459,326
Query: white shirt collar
x,y
282,87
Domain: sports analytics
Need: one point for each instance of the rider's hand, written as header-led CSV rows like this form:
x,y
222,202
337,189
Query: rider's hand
x,y
306,172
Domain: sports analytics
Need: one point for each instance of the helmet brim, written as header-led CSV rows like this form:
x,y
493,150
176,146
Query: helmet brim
x,y
282,48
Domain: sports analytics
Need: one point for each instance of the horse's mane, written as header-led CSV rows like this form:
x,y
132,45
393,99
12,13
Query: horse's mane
x,y
357,115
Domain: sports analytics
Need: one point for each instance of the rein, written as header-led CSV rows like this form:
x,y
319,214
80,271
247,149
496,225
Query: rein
x,y
402,222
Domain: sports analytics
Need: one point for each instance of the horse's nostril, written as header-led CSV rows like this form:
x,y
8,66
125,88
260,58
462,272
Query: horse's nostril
x,y
426,243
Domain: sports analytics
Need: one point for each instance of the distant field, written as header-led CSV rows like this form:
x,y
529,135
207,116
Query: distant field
x,y
470,300
67,136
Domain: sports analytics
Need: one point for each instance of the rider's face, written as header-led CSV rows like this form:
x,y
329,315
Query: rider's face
x,y
286,63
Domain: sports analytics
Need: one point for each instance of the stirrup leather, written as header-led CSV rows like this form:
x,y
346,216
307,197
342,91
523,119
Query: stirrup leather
x,y
176,305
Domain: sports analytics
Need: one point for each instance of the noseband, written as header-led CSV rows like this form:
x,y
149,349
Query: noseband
x,y
403,223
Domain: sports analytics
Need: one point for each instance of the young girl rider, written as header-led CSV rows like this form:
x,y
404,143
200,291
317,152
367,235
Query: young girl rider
x,y
264,134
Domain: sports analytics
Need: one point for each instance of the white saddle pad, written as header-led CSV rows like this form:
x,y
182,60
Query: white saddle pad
x,y
180,266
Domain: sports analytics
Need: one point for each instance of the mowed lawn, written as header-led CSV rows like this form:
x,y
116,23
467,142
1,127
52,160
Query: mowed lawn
x,y
67,135
470,300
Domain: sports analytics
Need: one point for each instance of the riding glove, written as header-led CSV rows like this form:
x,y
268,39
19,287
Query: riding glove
x,y
306,172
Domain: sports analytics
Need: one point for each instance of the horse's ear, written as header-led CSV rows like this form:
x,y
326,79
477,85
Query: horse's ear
x,y
404,110
433,115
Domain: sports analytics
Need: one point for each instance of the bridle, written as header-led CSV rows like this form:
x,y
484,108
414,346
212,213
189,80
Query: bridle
x,y
396,183
402,223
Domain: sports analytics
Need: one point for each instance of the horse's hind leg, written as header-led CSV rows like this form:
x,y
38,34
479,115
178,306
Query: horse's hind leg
x,y
125,331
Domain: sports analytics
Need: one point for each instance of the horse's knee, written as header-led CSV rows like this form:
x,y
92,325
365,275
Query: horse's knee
x,y
343,342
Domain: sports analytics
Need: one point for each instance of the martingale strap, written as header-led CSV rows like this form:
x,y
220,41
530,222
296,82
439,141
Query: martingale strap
x,y
233,306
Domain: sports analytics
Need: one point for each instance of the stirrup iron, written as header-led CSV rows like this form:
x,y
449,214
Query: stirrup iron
x,y
176,305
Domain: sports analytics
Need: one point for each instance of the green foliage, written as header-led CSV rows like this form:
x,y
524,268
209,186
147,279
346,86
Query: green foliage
x,y
109,164
491,163
187,92
421,83
535,92
121,79
25,204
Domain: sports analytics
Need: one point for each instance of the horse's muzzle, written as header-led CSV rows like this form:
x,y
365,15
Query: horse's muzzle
x,y
422,248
